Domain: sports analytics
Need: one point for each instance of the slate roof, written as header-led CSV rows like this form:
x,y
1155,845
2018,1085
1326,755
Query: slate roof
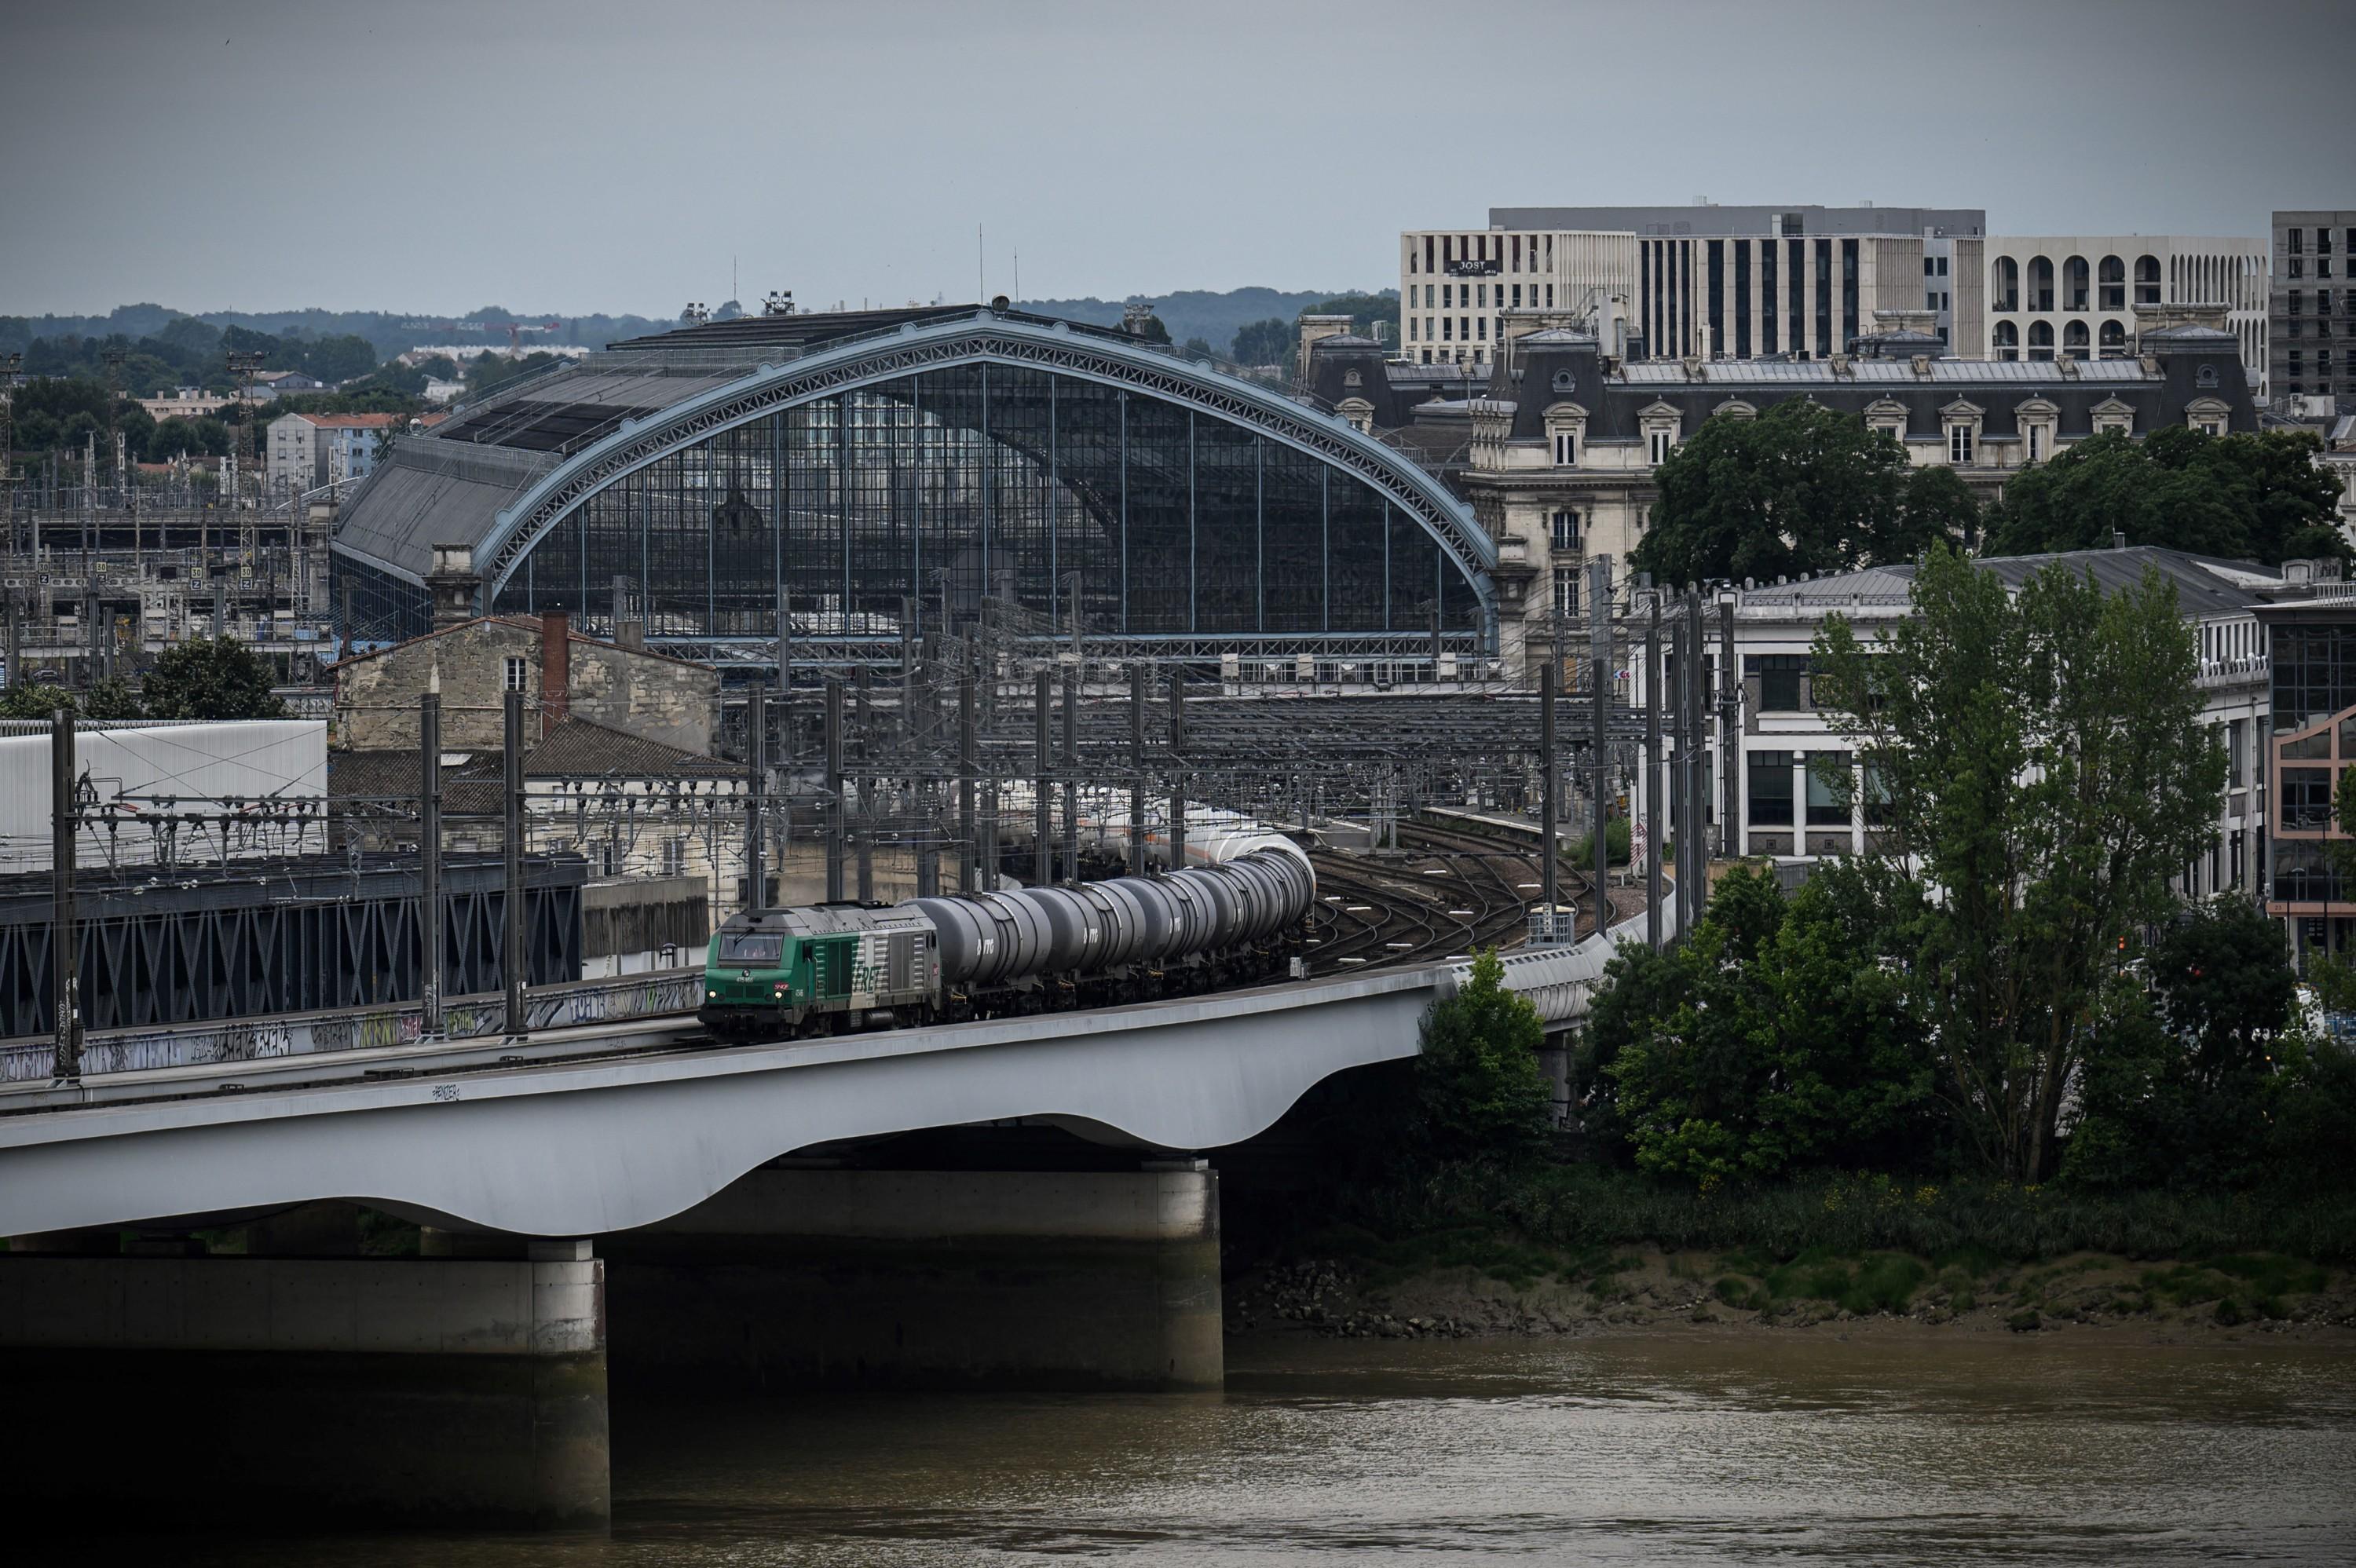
x,y
2205,585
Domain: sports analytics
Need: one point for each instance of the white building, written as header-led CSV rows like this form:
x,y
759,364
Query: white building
x,y
308,450
1784,808
2074,295
1453,282
1707,280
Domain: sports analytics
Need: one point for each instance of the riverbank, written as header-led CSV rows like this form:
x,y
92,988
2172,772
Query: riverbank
x,y
1469,1286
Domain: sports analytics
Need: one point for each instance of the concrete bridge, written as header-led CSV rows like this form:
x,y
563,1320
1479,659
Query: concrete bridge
x,y
638,1195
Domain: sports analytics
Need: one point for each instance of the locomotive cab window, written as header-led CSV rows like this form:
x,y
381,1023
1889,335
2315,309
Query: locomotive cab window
x,y
751,946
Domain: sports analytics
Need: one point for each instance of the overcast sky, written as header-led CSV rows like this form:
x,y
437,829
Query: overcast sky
x,y
589,156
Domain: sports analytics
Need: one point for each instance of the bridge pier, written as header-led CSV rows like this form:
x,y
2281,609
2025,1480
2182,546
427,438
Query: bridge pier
x,y
802,1278
424,1390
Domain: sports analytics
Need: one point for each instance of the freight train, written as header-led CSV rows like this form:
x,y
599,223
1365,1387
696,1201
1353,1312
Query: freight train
x,y
786,973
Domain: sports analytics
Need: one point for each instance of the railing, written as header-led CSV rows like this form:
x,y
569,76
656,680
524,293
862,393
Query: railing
x,y
663,993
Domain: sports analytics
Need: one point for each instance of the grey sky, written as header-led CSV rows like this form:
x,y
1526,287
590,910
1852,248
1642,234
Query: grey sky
x,y
593,156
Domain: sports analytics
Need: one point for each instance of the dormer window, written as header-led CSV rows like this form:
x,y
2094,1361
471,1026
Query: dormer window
x,y
2207,415
1566,427
1657,442
1889,416
1961,420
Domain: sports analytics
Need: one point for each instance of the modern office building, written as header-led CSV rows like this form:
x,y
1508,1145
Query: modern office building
x,y
1705,281
2311,306
1455,281
2076,295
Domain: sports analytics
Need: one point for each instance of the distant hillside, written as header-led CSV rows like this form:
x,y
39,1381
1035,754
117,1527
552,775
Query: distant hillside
x,y
1196,313
1191,313
387,332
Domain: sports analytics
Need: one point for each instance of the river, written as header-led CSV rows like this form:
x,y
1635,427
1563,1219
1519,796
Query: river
x,y
1693,1446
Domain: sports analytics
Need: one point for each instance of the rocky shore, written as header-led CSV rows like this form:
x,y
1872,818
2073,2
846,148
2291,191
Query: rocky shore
x,y
1647,1288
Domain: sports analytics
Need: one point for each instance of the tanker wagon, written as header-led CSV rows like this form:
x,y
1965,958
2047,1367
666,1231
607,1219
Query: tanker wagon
x,y
779,973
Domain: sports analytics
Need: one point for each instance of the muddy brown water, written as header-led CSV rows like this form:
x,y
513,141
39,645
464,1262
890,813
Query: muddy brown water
x,y
1687,1446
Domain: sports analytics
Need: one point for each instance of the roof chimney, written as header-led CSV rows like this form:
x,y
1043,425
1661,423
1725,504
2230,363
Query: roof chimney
x,y
556,670
454,585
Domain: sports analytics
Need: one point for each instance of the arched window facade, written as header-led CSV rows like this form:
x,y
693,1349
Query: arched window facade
x,y
2075,339
2041,340
2007,340
2004,285
2040,282
2075,292
2147,280
918,498
2113,274
2113,339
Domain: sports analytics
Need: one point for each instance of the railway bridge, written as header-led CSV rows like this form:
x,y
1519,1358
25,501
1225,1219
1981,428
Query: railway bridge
x,y
627,1194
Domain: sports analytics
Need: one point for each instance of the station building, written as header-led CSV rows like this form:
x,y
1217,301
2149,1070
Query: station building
x,y
871,479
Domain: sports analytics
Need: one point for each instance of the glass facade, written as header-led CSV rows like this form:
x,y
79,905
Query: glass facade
x,y
939,489
2314,672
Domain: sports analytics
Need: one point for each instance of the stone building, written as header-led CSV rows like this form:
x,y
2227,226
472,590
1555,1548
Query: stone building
x,y
561,673
1556,447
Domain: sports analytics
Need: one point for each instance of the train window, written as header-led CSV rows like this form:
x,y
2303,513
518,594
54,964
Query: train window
x,y
751,947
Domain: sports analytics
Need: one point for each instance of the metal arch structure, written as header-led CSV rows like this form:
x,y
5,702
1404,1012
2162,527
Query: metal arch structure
x,y
986,337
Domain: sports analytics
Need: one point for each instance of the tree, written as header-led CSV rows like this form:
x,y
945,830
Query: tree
x,y
31,700
203,437
2194,1081
2258,497
211,677
1197,348
1801,487
338,359
1481,1092
112,697
2038,771
1771,1042
1266,342
1150,330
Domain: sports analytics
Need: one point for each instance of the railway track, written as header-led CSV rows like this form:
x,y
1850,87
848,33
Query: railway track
x,y
1440,894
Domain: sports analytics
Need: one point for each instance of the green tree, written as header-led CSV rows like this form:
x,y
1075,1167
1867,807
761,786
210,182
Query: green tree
x,y
2039,771
211,677
1772,1042
204,437
112,697
2258,497
1481,1092
1197,348
1266,342
1801,487
32,700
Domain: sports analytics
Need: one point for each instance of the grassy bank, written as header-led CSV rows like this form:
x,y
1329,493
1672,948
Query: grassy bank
x,y
1577,1208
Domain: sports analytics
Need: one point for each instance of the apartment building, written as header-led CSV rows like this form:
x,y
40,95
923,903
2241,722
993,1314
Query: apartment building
x,y
2311,306
307,450
2075,295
